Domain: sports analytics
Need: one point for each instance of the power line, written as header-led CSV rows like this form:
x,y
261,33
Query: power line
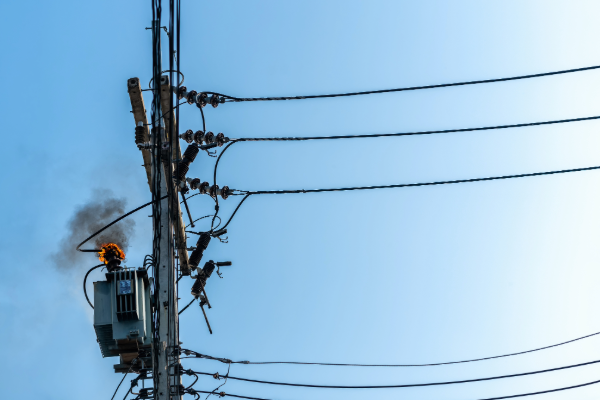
x,y
485,128
404,385
124,376
112,223
164,114
403,185
221,385
184,308
119,385
227,361
492,178
85,280
229,98
223,394
542,392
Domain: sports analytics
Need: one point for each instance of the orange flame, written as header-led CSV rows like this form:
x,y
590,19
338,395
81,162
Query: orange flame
x,y
110,251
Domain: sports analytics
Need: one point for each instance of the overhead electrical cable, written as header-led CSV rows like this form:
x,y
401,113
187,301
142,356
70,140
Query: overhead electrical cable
x,y
206,216
124,376
157,181
184,308
112,223
234,99
398,134
85,280
221,385
366,136
542,392
247,194
402,385
228,361
174,152
223,394
378,135
164,114
345,189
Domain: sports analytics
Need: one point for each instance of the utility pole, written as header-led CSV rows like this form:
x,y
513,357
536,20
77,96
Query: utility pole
x,y
166,336
165,298
169,228
166,302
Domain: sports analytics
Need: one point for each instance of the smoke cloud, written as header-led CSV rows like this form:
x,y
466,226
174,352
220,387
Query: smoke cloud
x,y
89,218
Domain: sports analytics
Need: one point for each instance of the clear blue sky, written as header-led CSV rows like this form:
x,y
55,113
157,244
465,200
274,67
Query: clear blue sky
x,y
398,276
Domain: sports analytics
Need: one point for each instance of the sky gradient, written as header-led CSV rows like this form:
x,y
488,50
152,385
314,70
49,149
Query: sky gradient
x,y
412,275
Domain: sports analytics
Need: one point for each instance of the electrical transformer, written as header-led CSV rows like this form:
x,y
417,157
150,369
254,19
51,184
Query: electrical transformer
x,y
122,317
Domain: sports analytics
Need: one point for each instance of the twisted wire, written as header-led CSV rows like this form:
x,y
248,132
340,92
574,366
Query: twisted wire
x,y
228,361
404,385
404,89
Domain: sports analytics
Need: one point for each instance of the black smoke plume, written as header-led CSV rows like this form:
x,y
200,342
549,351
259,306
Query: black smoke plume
x,y
87,219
